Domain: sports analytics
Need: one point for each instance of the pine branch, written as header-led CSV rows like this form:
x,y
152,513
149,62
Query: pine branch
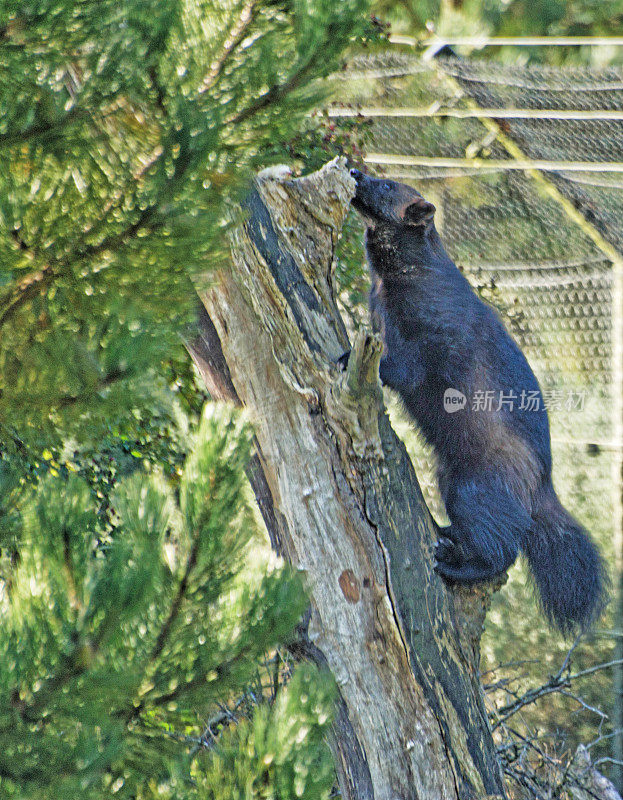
x,y
57,127
177,602
174,611
198,680
236,35
28,287
121,194
76,663
38,281
278,91
41,128
108,380
123,237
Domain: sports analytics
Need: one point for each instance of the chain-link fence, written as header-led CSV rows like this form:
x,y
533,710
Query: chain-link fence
x,y
525,166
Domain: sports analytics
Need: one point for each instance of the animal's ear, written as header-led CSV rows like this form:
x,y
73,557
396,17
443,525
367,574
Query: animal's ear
x,y
419,213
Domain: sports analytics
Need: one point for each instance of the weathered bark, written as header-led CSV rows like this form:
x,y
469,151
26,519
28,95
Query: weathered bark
x,y
342,502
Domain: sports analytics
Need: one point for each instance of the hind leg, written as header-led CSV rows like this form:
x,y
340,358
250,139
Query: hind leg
x,y
488,527
459,564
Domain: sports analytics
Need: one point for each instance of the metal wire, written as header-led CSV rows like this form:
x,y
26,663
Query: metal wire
x,y
509,41
467,113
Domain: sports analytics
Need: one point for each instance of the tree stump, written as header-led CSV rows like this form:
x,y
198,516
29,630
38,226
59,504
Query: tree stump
x,y
342,503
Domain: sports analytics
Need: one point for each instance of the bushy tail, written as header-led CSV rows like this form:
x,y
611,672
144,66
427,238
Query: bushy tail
x,y
568,570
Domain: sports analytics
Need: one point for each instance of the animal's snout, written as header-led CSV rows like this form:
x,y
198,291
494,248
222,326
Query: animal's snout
x,y
354,173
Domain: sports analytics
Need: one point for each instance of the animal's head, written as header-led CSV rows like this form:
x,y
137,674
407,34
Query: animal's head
x,y
399,223
384,202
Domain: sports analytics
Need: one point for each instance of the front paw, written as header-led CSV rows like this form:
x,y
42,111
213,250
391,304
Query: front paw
x,y
342,361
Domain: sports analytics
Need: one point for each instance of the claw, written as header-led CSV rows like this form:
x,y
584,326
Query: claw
x,y
447,552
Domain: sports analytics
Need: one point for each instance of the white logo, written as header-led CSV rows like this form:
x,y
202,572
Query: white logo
x,y
453,400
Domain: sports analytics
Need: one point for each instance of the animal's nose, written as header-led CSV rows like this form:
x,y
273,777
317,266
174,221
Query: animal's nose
x,y
356,174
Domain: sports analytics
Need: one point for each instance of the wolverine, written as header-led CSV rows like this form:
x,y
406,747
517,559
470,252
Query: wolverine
x,y
443,349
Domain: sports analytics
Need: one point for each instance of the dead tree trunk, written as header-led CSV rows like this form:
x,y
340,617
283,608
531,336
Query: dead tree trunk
x,y
342,503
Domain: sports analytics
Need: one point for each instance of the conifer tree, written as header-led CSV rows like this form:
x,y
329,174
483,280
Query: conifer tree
x,y
110,657
128,131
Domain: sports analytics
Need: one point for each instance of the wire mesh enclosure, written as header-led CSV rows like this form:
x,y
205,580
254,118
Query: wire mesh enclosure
x,y
525,167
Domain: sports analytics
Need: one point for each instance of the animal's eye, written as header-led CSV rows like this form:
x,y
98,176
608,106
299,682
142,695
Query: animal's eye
x,y
387,186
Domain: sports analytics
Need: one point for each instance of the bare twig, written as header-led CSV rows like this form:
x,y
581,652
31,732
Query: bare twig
x,y
541,770
507,664
559,682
